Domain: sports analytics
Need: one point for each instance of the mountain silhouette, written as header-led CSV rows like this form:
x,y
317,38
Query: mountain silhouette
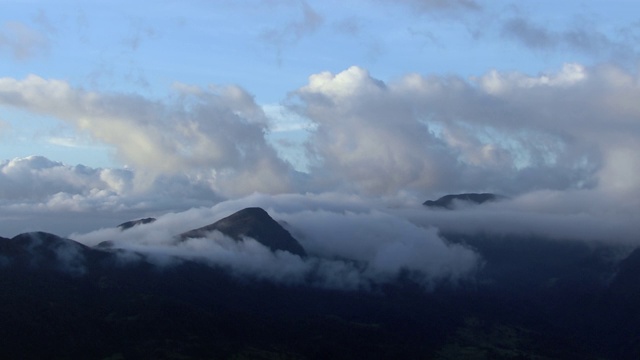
x,y
132,223
43,250
255,223
533,298
448,201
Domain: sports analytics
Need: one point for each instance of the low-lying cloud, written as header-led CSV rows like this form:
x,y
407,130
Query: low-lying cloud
x,y
354,242
349,246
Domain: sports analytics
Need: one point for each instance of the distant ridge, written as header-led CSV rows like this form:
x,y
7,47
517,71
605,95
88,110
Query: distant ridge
x,y
45,251
132,223
253,222
447,201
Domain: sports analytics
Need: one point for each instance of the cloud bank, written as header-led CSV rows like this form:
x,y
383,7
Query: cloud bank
x,y
358,243
217,132
503,132
350,245
40,194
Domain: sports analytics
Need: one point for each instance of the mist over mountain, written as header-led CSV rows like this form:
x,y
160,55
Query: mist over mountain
x,y
232,289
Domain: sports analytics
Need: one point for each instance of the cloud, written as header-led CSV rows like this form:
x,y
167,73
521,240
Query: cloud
x,y
40,194
529,34
582,37
356,242
22,41
66,141
435,6
503,132
138,32
350,244
217,132
43,21
38,180
293,31
578,215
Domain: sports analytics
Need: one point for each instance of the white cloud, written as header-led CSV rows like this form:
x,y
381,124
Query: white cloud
x,y
496,83
577,215
355,242
503,132
39,194
216,132
347,248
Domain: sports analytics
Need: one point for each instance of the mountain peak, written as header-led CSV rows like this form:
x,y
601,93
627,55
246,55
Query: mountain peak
x,y
256,223
46,251
132,223
447,201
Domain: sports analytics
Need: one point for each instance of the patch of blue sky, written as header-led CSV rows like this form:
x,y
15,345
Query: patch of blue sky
x,y
288,134
25,134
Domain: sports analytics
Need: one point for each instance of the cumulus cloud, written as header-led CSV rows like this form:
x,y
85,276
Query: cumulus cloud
x,y
504,132
40,194
36,178
572,131
217,132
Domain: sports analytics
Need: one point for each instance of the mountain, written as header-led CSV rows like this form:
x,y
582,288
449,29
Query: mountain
x,y
132,223
45,251
533,298
253,222
448,201
626,281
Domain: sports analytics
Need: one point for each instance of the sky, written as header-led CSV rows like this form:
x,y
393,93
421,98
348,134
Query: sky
x,y
113,110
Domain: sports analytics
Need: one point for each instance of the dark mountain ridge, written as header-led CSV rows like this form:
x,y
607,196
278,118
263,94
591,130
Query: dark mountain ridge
x,y
448,201
533,298
44,251
132,223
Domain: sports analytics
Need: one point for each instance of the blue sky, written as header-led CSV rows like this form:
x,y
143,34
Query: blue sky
x,y
402,99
